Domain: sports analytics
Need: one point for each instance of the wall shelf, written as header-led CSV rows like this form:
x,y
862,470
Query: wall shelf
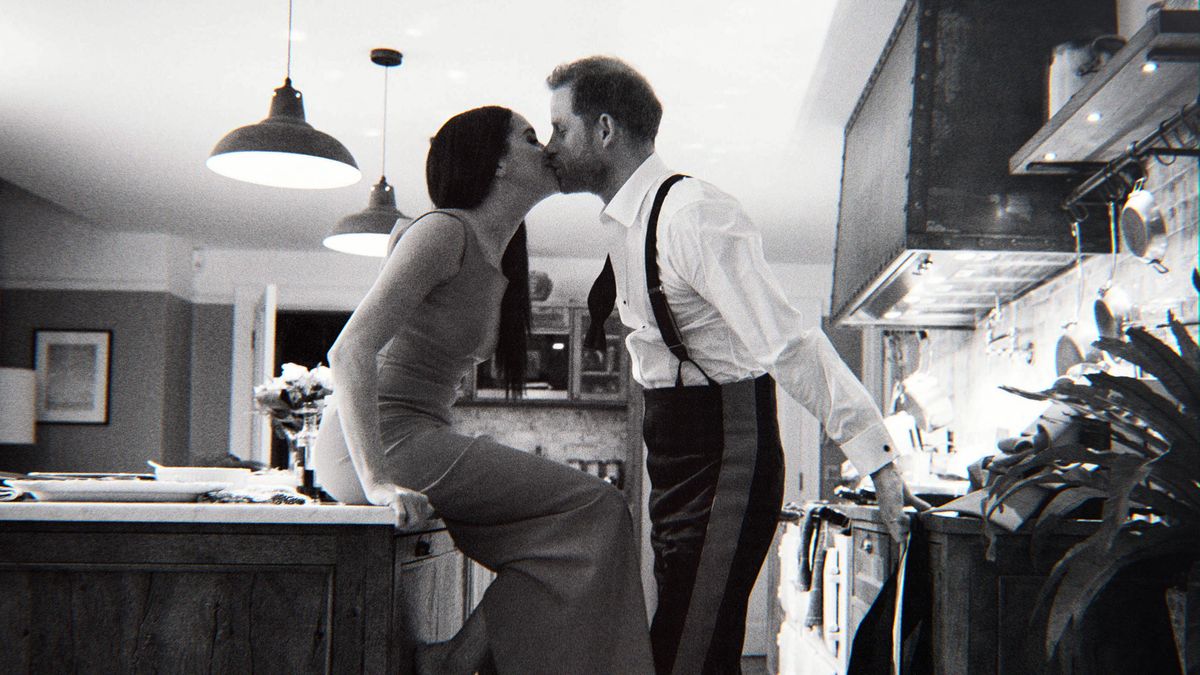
x,y
1130,102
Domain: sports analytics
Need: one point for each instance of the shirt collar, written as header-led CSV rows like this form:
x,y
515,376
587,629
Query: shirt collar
x,y
624,206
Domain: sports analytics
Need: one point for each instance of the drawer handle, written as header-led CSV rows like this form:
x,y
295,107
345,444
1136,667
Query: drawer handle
x,y
423,547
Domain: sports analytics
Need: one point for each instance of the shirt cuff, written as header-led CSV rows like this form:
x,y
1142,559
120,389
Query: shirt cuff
x,y
870,449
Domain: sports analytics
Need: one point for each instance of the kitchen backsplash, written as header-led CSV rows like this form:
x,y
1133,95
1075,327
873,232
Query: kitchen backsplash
x,y
969,373
562,433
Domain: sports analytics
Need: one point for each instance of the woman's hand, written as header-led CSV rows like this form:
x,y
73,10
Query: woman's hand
x,y
410,508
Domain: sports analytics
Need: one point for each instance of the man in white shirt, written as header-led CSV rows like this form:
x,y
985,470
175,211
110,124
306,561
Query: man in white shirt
x,y
708,349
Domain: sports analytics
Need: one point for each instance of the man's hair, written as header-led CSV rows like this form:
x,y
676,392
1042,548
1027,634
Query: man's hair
x,y
604,84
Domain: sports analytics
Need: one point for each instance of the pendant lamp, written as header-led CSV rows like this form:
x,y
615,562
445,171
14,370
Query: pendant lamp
x,y
283,150
367,232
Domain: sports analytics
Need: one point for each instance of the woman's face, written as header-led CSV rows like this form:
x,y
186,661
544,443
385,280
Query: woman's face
x,y
525,163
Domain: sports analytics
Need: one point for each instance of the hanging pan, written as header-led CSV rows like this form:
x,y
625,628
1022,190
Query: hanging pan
x,y
1066,352
1142,227
1112,308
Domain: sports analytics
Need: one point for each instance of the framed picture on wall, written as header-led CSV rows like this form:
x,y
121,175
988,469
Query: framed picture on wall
x,y
73,368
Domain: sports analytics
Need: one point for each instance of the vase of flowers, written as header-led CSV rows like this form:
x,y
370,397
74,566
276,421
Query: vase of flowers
x,y
294,401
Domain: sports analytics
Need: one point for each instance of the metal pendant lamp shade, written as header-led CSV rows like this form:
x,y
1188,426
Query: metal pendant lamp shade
x,y
366,232
284,150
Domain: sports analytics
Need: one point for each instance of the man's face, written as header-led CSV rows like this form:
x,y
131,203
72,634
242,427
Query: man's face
x,y
574,150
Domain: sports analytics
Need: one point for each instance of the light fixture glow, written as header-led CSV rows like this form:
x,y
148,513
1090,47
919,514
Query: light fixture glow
x,y
558,346
368,231
1050,156
1094,117
283,150
1149,67
892,314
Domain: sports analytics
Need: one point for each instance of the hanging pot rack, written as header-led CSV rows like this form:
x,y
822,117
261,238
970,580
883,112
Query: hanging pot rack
x,y
1177,136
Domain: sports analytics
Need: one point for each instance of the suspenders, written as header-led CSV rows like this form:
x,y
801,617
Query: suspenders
x,y
667,327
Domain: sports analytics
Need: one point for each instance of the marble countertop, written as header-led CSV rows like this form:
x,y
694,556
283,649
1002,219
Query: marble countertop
x,y
175,512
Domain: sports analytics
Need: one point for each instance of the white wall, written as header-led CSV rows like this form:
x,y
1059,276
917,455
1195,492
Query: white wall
x,y
43,246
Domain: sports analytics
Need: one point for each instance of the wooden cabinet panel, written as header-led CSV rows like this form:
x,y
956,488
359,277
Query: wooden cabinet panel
x,y
183,598
430,599
184,621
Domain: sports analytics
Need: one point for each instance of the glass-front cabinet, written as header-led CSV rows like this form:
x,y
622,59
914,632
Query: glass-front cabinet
x,y
558,368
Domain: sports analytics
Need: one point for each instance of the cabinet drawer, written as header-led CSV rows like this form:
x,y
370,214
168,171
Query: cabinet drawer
x,y
415,547
871,557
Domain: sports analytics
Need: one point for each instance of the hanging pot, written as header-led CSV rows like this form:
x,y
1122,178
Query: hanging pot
x,y
1143,229
1112,311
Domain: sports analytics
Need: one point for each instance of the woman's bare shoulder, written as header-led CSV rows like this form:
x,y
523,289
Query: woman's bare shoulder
x,y
439,231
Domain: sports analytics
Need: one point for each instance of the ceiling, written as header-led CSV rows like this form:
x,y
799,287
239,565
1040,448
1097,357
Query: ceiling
x,y
109,109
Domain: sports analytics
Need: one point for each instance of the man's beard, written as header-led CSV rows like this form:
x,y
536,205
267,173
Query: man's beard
x,y
588,175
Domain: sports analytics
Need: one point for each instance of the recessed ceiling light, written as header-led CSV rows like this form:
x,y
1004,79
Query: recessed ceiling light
x,y
1094,117
1149,67
1050,156
892,314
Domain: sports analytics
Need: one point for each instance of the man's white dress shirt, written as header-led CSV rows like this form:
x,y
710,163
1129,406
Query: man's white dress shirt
x,y
732,314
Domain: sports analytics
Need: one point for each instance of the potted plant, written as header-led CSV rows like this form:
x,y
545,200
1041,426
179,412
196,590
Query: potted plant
x,y
1144,469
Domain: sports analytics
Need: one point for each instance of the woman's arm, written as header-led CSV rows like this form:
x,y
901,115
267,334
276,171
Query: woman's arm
x,y
429,253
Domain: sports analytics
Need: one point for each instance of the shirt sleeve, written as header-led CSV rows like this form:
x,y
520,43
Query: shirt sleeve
x,y
719,252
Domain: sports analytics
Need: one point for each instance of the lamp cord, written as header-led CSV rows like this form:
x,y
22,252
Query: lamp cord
x,y
289,42
383,162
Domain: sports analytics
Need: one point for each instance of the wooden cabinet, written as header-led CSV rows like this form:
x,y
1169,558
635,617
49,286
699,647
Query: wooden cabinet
x,y
559,368
226,598
430,594
981,608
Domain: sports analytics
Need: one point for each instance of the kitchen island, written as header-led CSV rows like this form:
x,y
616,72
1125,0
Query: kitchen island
x,y
181,588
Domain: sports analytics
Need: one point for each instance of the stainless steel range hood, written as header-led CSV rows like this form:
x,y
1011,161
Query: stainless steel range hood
x,y
932,229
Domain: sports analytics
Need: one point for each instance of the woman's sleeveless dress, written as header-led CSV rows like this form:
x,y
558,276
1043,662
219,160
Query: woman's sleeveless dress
x,y
567,598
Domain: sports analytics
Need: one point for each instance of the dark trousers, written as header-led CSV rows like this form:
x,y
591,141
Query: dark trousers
x,y
716,472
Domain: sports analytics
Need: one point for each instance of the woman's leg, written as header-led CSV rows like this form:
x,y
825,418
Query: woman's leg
x,y
567,596
464,654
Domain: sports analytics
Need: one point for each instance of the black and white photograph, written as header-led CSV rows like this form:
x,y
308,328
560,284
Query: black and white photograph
x,y
659,337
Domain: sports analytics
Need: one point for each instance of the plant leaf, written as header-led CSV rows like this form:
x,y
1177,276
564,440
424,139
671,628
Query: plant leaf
x,y
1160,413
1156,358
1188,350
1089,566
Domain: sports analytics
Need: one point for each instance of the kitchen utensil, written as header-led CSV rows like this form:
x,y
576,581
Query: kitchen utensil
x,y
1111,309
1066,355
1066,351
1142,227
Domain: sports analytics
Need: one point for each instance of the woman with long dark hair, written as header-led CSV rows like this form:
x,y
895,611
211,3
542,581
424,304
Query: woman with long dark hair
x,y
567,597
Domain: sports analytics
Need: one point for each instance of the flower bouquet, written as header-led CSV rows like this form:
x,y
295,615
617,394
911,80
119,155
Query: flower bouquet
x,y
294,401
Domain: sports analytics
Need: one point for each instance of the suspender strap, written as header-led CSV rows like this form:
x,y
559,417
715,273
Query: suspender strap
x,y
667,327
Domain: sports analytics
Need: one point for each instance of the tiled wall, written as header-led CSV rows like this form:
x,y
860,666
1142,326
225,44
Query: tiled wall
x,y
562,432
965,370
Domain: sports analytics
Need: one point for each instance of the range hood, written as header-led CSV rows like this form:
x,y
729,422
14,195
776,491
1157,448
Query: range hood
x,y
933,231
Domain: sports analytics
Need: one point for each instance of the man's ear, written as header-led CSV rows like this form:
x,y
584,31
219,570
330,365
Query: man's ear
x,y
606,129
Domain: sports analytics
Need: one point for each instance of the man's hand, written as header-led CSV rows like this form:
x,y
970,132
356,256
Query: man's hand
x,y
892,495
410,508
